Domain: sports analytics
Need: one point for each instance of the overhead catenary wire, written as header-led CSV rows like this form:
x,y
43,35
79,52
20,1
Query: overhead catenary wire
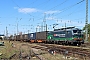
x,y
45,2
51,8
20,7
54,7
41,4
64,9
74,12
32,3
58,5
23,10
70,8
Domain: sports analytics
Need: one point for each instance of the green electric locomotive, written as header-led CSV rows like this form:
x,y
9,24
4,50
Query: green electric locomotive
x,y
69,35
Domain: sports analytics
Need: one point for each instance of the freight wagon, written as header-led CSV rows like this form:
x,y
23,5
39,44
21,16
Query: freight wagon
x,y
25,37
41,36
18,38
32,37
38,36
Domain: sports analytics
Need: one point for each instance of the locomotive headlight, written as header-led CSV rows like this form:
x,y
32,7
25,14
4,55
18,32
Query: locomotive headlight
x,y
78,37
50,37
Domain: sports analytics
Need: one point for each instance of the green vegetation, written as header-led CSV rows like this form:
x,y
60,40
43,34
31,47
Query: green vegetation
x,y
88,31
88,28
7,50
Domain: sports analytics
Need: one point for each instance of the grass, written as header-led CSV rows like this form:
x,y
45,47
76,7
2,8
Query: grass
x,y
89,39
7,50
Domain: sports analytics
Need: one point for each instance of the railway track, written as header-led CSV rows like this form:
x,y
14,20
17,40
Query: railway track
x,y
69,50
26,53
80,52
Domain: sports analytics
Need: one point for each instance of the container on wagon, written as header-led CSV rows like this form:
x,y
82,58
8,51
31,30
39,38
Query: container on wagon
x,y
25,36
41,35
18,37
32,36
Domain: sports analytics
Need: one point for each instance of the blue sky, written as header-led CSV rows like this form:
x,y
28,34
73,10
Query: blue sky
x,y
31,14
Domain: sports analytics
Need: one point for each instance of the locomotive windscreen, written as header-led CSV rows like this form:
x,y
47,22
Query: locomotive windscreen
x,y
77,31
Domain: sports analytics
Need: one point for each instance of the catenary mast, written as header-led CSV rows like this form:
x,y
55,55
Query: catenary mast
x,y
86,21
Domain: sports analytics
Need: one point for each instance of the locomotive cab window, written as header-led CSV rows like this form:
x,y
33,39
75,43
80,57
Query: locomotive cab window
x,y
77,31
74,31
80,31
